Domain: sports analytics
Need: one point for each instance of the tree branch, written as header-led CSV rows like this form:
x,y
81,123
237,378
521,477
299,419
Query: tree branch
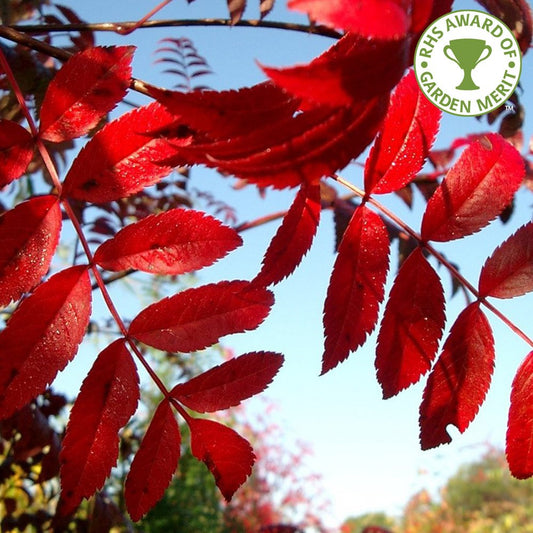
x,y
121,27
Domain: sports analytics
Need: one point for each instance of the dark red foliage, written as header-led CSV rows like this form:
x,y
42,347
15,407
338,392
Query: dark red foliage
x,y
90,84
301,127
293,238
459,382
107,399
230,383
16,151
154,463
475,191
356,287
196,318
412,326
42,336
29,234
519,448
174,242
227,455
123,157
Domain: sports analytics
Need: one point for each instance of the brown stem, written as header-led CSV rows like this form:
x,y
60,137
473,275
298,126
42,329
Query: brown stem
x,y
121,27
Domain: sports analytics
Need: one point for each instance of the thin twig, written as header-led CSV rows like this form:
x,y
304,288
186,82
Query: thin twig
x,y
120,27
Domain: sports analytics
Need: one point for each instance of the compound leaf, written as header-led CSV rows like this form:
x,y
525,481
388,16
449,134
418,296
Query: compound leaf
x,y
107,399
460,379
356,287
412,326
230,383
196,318
29,234
42,336
154,463
174,242
86,88
228,456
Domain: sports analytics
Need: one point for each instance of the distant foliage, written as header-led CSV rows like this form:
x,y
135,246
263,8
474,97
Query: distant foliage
x,y
294,131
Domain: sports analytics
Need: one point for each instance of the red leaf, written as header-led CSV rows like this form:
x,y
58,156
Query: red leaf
x,y
173,242
353,69
517,15
230,383
508,272
356,287
300,149
223,114
293,238
88,86
123,157
29,234
378,19
228,456
42,336
196,318
458,383
154,463
16,151
475,190
412,326
107,400
407,134
519,445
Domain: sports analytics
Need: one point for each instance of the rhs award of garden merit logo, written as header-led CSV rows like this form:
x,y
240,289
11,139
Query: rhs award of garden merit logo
x,y
468,63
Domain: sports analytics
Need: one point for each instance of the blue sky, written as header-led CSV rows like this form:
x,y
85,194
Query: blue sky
x,y
366,449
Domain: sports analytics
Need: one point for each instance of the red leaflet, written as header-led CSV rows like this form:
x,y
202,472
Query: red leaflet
x,y
460,379
353,69
402,145
517,15
16,151
90,84
293,238
228,456
476,189
107,400
29,234
173,242
42,336
230,383
300,149
122,158
196,318
356,287
519,445
508,272
154,463
412,326
223,114
379,19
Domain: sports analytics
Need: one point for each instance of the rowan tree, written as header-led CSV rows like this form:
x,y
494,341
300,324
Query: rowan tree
x,y
125,197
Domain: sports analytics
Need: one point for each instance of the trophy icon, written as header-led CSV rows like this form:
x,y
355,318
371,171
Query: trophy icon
x,y
467,53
